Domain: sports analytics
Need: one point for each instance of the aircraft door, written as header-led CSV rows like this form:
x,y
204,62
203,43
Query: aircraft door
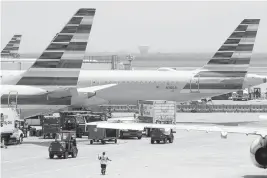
x,y
13,99
194,84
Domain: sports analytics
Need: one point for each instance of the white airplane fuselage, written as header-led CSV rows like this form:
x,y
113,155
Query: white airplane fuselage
x,y
130,87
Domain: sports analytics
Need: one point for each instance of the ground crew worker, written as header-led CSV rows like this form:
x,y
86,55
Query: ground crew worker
x,y
3,143
103,162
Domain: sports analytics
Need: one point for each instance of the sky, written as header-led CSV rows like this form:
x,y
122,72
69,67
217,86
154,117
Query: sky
x,y
175,27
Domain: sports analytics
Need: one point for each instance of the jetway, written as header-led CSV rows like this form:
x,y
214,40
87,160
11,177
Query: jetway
x,y
110,62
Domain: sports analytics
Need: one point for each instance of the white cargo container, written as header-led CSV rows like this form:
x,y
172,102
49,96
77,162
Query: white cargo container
x,y
157,111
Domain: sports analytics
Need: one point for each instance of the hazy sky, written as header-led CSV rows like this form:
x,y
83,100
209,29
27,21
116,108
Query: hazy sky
x,y
165,26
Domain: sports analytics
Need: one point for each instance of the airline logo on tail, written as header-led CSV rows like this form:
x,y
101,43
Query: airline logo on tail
x,y
60,63
12,48
228,67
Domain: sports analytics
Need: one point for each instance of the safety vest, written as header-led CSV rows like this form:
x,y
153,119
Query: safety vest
x,y
103,159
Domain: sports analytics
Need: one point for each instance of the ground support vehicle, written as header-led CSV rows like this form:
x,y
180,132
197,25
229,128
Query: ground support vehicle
x,y
64,145
158,135
50,126
131,134
156,112
102,135
10,130
240,95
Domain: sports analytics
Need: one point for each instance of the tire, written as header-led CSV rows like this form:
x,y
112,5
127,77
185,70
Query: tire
x,y
152,141
59,156
66,155
158,141
139,137
91,142
20,140
115,141
51,156
121,135
165,140
171,140
103,141
74,153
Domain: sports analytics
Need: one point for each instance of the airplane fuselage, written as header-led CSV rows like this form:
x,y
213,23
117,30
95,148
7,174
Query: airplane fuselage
x,y
130,86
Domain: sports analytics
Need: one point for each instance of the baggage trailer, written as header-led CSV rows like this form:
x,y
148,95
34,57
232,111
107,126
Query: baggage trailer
x,y
102,135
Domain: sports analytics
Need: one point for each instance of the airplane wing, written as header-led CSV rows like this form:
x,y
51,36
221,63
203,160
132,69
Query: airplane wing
x,y
93,89
224,130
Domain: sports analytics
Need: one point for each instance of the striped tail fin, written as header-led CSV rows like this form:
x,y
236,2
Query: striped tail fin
x,y
236,52
12,48
227,69
61,62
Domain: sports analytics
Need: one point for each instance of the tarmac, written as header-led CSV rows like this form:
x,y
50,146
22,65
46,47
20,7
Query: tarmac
x,y
192,155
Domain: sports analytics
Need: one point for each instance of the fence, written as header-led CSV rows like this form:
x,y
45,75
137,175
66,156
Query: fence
x,y
222,108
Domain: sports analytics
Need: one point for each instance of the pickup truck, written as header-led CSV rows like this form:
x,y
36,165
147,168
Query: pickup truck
x,y
131,134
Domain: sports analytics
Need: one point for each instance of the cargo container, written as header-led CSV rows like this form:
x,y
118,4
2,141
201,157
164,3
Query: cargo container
x,y
157,111
102,135
50,126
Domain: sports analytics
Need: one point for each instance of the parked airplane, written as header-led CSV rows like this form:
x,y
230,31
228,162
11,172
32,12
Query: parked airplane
x,y
54,75
12,48
224,73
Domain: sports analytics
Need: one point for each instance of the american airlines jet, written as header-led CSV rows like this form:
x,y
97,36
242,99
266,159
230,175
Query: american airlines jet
x,y
225,72
57,69
51,82
12,48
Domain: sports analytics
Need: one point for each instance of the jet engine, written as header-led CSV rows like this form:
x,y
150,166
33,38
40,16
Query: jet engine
x,y
258,152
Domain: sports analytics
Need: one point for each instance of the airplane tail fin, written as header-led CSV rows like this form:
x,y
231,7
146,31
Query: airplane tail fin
x,y
61,62
236,52
12,48
227,69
